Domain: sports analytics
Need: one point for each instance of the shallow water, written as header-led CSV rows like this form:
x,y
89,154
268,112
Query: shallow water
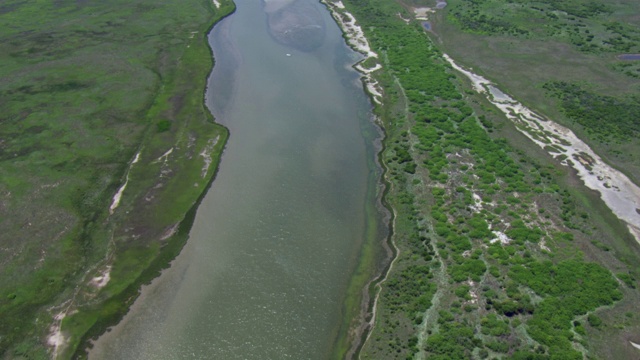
x,y
629,57
275,241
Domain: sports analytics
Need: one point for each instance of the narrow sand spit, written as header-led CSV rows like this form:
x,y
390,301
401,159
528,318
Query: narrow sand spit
x,y
477,203
364,70
372,88
620,194
116,198
56,339
635,345
164,157
206,155
358,42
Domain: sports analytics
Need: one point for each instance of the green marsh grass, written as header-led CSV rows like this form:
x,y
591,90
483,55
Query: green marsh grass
x,y
462,147
83,86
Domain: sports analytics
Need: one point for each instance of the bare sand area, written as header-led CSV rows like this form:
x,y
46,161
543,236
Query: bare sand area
x,y
618,192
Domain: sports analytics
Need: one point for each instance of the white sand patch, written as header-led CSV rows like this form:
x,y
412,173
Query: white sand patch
x,y
102,280
206,155
477,203
165,156
115,202
635,345
635,231
620,194
357,41
116,198
135,159
473,292
56,339
366,71
372,88
355,35
543,245
501,237
423,13
216,3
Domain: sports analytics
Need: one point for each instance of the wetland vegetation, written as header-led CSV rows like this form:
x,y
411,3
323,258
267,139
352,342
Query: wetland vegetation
x,y
87,88
502,253
552,53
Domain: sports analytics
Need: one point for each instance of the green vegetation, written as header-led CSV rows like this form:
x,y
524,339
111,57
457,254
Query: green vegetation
x,y
587,25
604,117
570,288
629,68
499,255
163,125
85,87
549,53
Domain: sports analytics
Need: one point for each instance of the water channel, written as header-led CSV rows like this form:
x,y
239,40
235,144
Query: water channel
x,y
276,240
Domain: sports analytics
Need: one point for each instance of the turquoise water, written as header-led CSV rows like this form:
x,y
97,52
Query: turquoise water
x,y
277,238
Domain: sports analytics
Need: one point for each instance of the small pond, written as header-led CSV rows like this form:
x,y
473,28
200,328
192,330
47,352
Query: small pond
x,y
629,57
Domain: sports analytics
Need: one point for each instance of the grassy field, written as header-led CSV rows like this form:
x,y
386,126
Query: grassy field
x,y
85,87
502,252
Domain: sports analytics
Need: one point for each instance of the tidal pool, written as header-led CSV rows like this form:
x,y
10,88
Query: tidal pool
x,y
629,57
277,238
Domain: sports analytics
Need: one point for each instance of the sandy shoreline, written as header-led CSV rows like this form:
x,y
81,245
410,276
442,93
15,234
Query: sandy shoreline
x,y
116,198
358,42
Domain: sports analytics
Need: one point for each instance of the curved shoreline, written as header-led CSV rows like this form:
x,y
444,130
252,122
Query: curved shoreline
x,y
617,191
367,253
355,39
361,324
175,240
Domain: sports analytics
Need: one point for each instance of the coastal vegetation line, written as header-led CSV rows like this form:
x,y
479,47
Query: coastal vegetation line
x,y
89,87
502,252
483,220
